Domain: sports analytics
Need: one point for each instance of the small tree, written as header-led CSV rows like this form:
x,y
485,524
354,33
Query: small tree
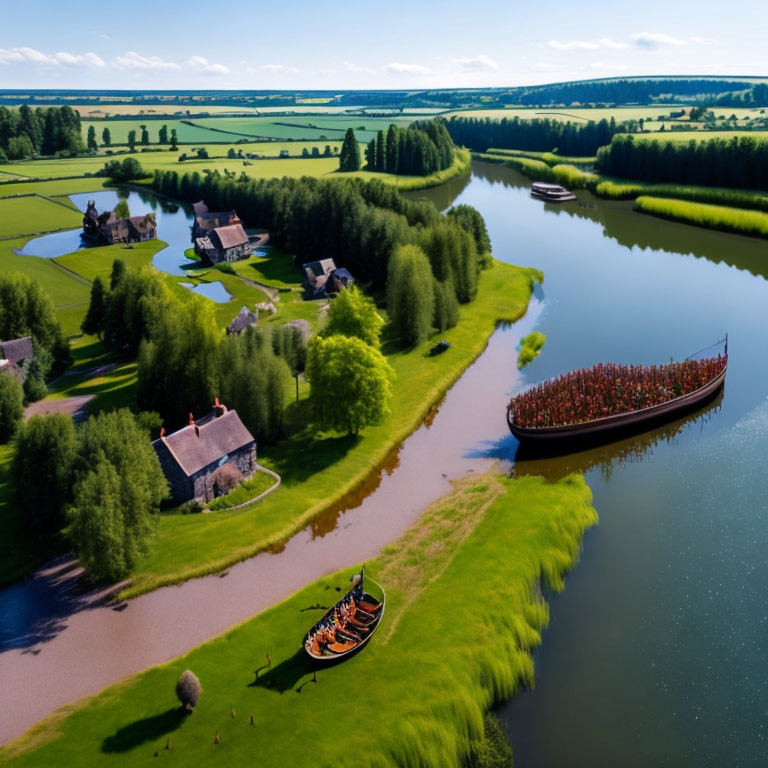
x,y
11,406
315,152
351,383
410,295
174,140
349,159
122,211
91,142
188,690
162,135
132,140
327,151
106,138
352,313
93,323
305,152
144,136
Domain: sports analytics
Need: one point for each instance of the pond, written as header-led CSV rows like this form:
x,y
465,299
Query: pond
x,y
174,222
656,650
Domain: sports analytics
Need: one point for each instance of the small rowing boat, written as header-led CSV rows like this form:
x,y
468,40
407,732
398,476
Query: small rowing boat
x,y
552,193
348,625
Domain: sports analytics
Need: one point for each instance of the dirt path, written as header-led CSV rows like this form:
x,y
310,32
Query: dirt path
x,y
69,644
76,406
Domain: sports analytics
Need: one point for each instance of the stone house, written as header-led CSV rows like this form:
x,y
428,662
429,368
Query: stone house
x,y
229,243
16,356
206,221
111,230
323,278
199,460
245,318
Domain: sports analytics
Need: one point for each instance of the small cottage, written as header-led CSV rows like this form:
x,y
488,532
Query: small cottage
x,y
208,457
245,319
16,356
323,278
229,243
206,221
109,229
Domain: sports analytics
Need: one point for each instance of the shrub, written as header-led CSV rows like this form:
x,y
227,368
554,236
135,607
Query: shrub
x,y
126,170
188,690
530,347
226,478
11,406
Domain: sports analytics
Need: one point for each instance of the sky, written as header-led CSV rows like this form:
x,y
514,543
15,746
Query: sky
x,y
301,45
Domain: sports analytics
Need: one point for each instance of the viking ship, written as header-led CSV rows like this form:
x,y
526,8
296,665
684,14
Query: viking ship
x,y
552,193
606,400
347,626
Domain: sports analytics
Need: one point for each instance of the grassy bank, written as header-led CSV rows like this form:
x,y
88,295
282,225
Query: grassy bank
x,y
537,170
463,615
720,217
550,158
462,161
319,470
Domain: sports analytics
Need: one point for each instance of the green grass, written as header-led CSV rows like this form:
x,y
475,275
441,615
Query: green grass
x,y
463,614
250,489
530,347
32,215
720,217
550,158
568,175
319,469
703,135
51,188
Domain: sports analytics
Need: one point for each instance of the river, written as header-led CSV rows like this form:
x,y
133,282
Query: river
x,y
656,650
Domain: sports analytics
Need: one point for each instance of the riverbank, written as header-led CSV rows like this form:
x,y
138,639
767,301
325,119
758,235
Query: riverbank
x,y
320,471
463,614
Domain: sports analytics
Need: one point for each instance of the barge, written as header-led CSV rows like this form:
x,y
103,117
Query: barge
x,y
551,193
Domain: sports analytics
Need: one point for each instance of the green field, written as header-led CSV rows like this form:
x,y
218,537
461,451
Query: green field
x,y
685,136
463,614
32,215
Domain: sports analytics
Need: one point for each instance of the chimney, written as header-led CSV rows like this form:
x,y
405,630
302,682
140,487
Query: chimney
x,y
218,408
162,431
191,420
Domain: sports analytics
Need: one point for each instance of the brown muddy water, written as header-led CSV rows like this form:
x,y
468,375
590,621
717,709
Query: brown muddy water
x,y
57,645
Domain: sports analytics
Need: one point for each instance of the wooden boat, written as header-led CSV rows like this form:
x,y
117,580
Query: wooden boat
x,y
552,193
623,422
351,634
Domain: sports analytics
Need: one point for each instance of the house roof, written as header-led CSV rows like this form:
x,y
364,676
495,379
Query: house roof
x,y
196,446
17,349
244,319
318,269
199,208
229,237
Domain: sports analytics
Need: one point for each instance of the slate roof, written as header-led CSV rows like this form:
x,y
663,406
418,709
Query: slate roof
x,y
315,271
244,319
199,208
17,350
229,237
196,446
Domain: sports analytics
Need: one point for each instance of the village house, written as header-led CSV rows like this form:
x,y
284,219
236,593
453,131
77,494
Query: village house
x,y
208,457
230,243
245,318
16,356
323,278
109,229
206,221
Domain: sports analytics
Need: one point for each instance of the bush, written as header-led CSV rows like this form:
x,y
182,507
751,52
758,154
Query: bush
x,y
352,313
11,406
188,690
530,346
126,170
226,478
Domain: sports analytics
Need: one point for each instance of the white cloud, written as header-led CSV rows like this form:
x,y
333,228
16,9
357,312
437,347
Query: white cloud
x,y
606,42
651,40
278,68
350,67
480,63
573,45
133,60
703,40
200,64
396,67
25,55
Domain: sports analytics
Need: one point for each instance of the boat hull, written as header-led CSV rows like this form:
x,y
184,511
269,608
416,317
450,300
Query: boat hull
x,y
547,199
610,427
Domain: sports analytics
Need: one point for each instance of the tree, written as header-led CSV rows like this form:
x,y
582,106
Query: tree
x,y
126,170
174,140
349,159
44,452
392,149
122,211
370,155
92,145
289,343
231,154
93,323
144,136
188,690
305,152
327,151
315,152
118,270
11,406
132,141
106,137
162,135
120,485
471,220
381,152
351,383
446,313
20,148
410,295
35,387
352,313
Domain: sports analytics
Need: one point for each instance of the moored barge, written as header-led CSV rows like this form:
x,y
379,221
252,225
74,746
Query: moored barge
x,y
552,193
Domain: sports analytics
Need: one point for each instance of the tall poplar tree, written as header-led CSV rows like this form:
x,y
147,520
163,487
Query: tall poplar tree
x,y
106,137
349,159
92,138
381,158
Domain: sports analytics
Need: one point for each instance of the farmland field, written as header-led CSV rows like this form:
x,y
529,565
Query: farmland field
x,y
684,136
29,215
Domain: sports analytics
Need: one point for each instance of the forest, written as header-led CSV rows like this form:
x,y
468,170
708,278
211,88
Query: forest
x,y
580,139
26,132
735,162
423,148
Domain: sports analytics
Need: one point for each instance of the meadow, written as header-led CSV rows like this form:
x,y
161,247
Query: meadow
x,y
703,135
463,614
550,158
33,215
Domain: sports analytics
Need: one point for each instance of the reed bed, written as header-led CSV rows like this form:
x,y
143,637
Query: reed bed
x,y
735,220
609,389
530,346
550,158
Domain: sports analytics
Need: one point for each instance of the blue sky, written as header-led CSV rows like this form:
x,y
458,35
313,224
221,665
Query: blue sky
x,y
363,45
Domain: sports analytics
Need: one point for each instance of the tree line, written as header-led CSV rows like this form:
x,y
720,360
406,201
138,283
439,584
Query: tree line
x,y
360,224
740,161
25,132
546,135
423,148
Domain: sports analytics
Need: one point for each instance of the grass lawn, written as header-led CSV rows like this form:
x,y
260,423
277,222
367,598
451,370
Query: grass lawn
x,y
318,469
463,614
56,187
30,215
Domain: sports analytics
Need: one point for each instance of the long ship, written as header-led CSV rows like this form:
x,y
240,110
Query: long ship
x,y
608,400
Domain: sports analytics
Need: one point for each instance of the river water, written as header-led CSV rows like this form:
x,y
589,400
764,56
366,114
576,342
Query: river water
x,y
656,653
656,650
